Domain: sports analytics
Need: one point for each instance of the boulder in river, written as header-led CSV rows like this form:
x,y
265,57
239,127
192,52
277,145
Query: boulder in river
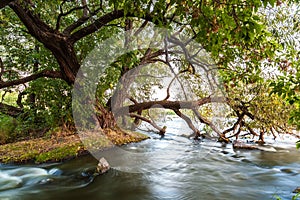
x,y
103,166
297,190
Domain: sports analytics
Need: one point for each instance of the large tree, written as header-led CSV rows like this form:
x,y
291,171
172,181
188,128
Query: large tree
x,y
51,39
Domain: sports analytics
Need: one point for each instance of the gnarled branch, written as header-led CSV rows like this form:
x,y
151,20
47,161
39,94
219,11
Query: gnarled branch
x,y
161,130
104,20
44,73
4,3
10,110
169,104
189,122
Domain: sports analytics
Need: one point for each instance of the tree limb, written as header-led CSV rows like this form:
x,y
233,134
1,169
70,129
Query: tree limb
x,y
44,73
10,110
238,122
62,14
102,21
33,23
209,123
4,3
169,104
161,130
189,122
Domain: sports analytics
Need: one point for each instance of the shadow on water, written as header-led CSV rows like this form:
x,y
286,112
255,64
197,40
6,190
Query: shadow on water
x,y
196,170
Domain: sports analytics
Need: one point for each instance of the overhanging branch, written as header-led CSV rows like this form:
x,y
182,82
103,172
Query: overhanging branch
x,y
4,3
44,73
161,130
10,110
102,21
169,104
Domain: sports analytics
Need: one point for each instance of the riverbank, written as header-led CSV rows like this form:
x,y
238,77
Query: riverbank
x,y
59,147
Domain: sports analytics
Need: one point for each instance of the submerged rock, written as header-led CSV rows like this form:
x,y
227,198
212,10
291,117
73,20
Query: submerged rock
x,y
103,166
297,190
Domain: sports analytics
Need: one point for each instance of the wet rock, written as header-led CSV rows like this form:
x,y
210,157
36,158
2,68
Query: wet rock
x,y
45,181
55,172
103,166
297,190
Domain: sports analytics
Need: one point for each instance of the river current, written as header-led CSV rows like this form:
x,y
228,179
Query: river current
x,y
171,168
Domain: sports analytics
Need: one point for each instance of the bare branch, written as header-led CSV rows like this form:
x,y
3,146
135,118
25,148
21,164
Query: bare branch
x,y
189,122
4,3
10,110
62,14
102,21
169,104
44,73
161,130
238,122
207,122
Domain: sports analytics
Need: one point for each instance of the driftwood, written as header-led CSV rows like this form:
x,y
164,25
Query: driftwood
x,y
241,145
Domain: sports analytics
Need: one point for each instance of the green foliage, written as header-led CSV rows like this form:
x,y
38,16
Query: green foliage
x,y
243,37
284,24
52,105
58,154
7,128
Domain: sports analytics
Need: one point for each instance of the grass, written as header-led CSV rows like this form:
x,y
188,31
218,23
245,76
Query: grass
x,y
62,146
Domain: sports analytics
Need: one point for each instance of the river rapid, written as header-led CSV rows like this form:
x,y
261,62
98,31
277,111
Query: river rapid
x,y
171,168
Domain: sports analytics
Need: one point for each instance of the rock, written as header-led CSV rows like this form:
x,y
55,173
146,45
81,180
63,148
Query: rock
x,y
55,172
297,190
103,166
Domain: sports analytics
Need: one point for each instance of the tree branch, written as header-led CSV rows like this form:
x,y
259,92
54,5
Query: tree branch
x,y
209,123
238,122
189,122
170,104
161,130
4,3
44,73
62,14
33,23
10,110
102,21
99,23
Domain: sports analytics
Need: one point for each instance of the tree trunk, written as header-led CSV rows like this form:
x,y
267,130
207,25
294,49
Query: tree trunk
x,y
66,57
105,118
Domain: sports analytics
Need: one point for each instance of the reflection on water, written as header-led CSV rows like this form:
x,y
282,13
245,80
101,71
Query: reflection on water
x,y
177,168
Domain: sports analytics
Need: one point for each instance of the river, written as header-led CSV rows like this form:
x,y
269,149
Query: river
x,y
170,168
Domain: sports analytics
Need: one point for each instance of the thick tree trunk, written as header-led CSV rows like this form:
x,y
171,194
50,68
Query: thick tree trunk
x,y
66,58
61,45
105,118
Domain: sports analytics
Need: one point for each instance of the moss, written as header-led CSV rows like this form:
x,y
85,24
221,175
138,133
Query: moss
x,y
62,146
59,154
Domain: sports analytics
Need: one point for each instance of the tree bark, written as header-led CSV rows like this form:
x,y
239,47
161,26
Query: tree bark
x,y
44,73
4,3
10,110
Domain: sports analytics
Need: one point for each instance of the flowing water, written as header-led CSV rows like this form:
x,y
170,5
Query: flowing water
x,y
174,168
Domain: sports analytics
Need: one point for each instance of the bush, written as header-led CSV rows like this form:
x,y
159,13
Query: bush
x,y
7,128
